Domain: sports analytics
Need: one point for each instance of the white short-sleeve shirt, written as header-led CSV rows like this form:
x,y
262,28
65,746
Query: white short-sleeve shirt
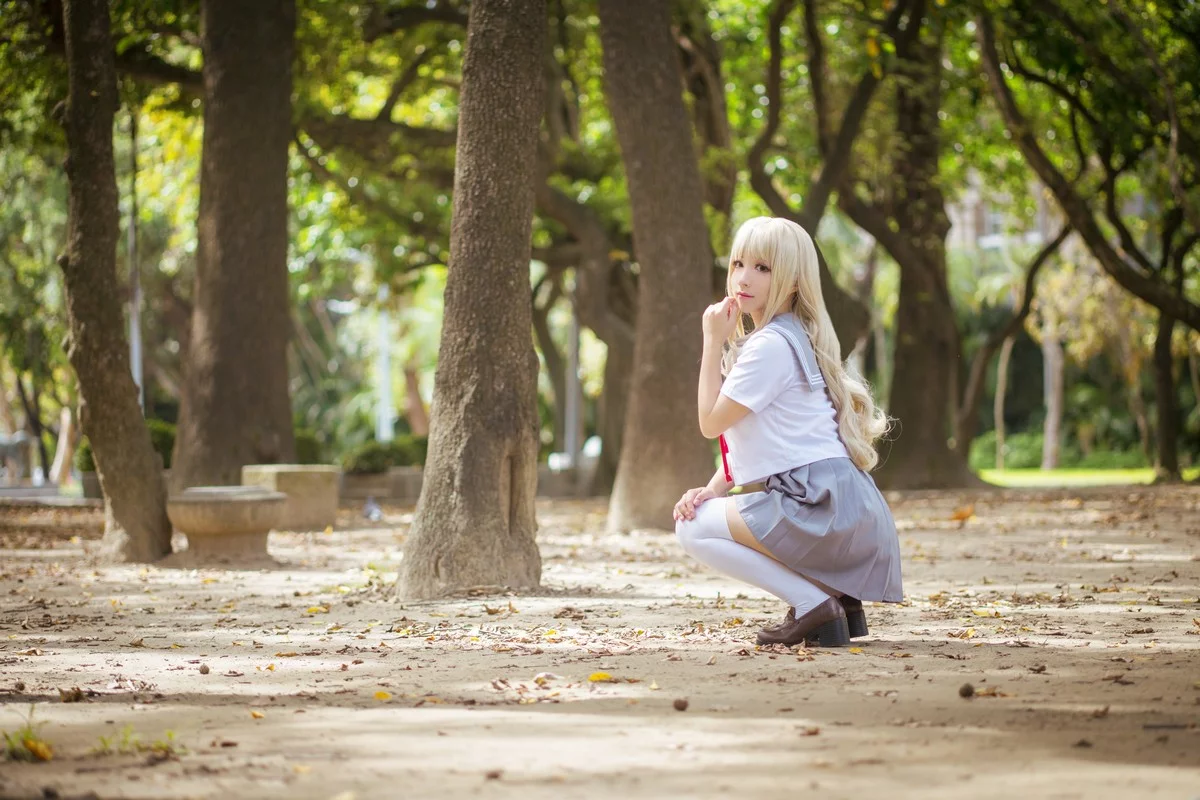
x,y
792,420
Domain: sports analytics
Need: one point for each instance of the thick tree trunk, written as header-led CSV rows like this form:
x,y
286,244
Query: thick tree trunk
x,y
475,521
925,364
235,407
1001,394
1166,401
136,524
1052,361
666,454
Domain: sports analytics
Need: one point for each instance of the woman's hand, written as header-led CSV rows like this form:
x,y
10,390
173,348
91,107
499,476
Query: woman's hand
x,y
720,319
691,500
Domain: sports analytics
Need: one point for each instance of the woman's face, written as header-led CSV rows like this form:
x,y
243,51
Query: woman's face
x,y
751,282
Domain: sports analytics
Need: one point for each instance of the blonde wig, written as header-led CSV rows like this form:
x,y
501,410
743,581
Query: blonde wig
x,y
789,251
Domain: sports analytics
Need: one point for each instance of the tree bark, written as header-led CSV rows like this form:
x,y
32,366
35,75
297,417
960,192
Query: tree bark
x,y
1167,431
1001,394
924,393
1052,361
235,407
475,521
64,450
556,363
671,243
136,525
614,408
414,408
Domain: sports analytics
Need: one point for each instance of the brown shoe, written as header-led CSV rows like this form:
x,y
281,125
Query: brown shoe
x,y
825,625
856,618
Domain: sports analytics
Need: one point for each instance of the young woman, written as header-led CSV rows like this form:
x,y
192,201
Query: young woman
x,y
819,536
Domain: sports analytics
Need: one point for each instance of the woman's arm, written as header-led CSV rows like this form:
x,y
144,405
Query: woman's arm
x,y
718,485
716,411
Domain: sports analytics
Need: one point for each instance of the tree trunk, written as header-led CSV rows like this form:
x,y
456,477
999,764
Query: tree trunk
x,y
31,402
475,521
556,363
8,420
235,408
614,407
1001,393
64,451
1052,360
1166,401
667,455
414,407
925,362
136,525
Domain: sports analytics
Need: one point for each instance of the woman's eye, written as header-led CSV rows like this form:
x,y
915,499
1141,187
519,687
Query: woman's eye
x,y
763,267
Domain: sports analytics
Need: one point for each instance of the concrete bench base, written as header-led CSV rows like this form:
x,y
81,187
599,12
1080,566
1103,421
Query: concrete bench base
x,y
311,489
226,524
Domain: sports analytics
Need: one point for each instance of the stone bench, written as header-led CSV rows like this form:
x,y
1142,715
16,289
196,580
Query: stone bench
x,y
311,489
226,524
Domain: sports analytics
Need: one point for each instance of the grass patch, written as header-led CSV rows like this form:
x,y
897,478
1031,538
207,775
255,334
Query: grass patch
x,y
24,744
1074,477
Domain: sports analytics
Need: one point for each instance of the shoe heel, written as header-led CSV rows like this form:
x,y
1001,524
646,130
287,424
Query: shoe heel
x,y
856,621
835,633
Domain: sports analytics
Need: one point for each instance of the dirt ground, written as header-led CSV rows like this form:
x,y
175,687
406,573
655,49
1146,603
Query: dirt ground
x,y
1073,615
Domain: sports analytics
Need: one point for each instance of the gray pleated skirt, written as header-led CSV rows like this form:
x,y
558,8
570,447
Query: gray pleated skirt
x,y
828,522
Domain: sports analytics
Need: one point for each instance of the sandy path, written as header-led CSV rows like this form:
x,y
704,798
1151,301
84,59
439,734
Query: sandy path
x,y
1074,615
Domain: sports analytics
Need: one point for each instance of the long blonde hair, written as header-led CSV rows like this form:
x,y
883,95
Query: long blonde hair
x,y
789,251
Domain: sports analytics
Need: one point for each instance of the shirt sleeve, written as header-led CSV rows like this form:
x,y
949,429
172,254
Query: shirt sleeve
x,y
763,370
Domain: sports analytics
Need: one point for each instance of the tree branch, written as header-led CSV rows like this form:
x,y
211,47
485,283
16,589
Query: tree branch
x,y
403,82
384,22
965,417
1074,206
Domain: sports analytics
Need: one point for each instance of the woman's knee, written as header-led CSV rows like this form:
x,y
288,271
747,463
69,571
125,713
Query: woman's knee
x,y
709,523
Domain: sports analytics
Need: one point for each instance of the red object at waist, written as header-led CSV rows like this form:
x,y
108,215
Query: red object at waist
x,y
724,460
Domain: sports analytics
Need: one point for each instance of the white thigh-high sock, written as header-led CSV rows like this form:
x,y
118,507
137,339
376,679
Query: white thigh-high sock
x,y
708,540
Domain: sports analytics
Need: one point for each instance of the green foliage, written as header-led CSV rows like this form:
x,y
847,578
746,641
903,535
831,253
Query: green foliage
x,y
25,744
129,742
372,457
84,460
1024,451
162,438
308,447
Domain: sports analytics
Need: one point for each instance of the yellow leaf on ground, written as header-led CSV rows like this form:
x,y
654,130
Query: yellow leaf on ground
x,y
288,654
317,610
855,650
963,514
381,696
40,750
257,714
601,677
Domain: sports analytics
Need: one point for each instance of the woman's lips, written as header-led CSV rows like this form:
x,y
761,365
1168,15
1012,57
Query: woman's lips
x,y
744,295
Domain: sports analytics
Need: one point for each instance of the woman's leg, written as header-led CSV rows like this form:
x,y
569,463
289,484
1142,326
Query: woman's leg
x,y
709,539
742,535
